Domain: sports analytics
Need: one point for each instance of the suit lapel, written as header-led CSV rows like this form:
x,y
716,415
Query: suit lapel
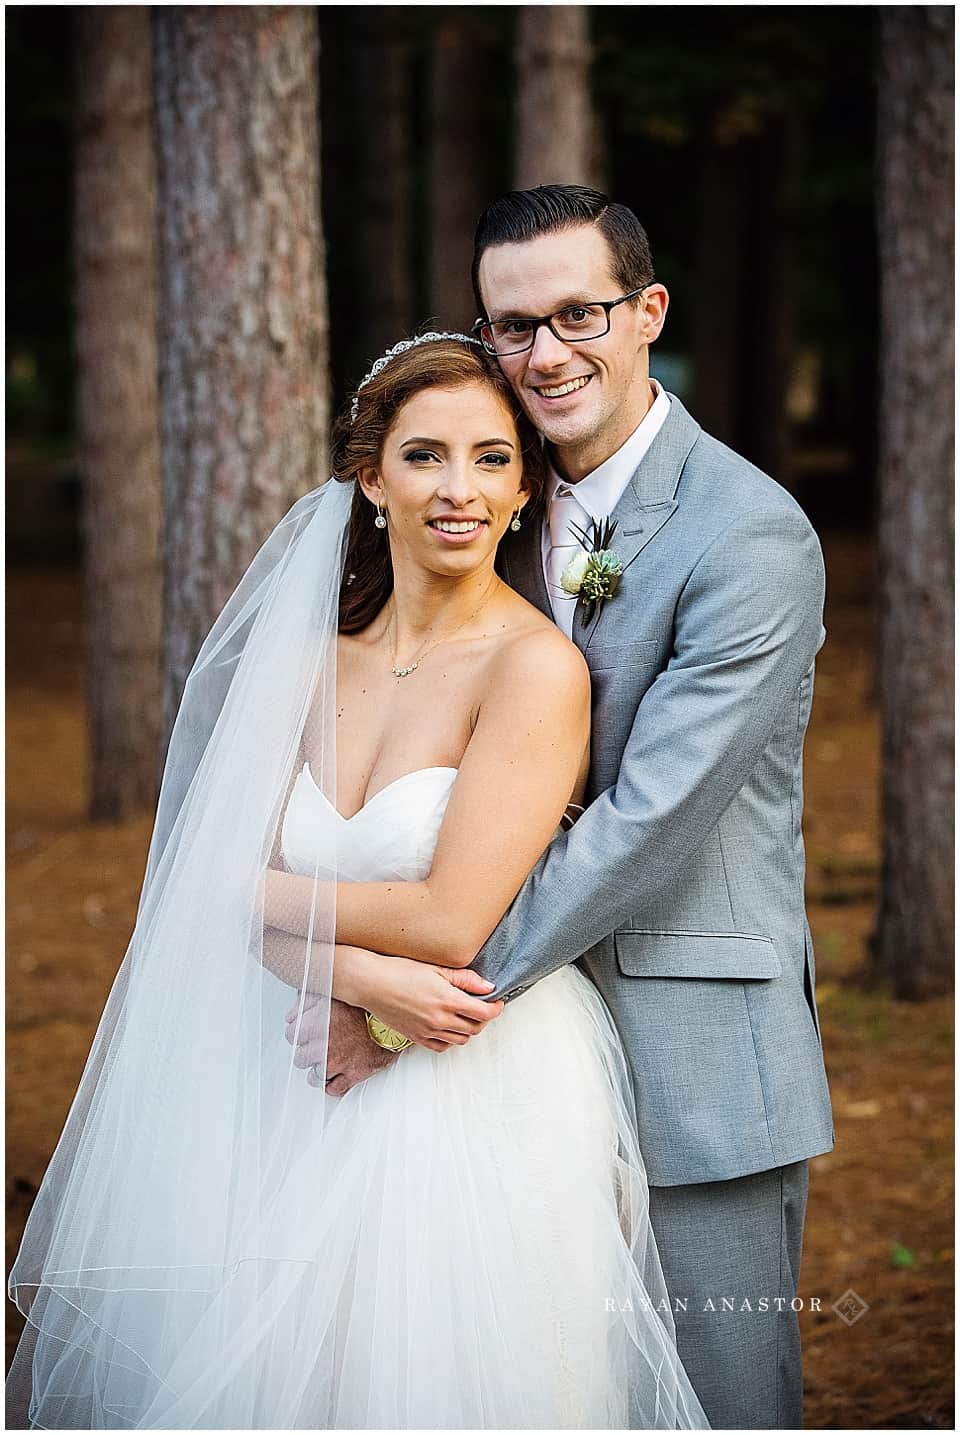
x,y
646,504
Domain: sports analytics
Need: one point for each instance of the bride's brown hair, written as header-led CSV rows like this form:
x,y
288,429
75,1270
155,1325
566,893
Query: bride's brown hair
x,y
358,444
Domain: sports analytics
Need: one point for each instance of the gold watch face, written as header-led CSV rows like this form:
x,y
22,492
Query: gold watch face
x,y
386,1036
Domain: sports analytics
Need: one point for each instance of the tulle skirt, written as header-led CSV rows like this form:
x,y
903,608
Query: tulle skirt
x,y
478,1257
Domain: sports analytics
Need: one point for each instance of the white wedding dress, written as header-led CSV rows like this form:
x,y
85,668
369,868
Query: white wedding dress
x,y
484,1257
462,1242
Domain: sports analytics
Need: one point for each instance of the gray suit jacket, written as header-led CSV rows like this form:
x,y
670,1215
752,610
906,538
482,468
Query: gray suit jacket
x,y
680,890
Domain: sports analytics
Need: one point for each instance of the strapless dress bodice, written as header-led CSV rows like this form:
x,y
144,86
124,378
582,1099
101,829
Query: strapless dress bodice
x,y
391,838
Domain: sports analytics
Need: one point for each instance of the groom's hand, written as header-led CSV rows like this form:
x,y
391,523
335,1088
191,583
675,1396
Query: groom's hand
x,y
352,1055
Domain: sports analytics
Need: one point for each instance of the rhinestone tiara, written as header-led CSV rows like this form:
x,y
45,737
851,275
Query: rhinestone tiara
x,y
402,348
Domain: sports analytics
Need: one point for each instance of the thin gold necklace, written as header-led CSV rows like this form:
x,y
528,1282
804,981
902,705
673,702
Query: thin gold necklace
x,y
412,667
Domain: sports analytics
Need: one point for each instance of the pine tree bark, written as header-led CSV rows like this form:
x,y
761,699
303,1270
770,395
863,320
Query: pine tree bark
x,y
243,319
117,414
556,129
913,944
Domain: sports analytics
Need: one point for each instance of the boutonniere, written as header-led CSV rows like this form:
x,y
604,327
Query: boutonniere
x,y
593,575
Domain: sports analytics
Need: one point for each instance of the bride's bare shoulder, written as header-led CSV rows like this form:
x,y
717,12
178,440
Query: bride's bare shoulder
x,y
534,650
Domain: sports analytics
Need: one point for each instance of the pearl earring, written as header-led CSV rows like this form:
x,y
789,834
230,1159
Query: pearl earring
x,y
379,521
515,525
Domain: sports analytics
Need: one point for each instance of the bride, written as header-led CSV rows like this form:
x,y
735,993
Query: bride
x,y
376,743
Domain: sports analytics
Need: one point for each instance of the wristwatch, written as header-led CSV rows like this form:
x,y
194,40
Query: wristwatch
x,y
386,1036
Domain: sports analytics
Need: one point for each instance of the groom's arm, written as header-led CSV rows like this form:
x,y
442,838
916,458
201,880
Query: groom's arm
x,y
747,628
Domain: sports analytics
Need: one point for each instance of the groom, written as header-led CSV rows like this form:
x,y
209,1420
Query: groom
x,y
680,889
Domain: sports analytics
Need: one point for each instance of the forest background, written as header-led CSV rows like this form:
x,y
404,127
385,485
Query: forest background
x,y
217,217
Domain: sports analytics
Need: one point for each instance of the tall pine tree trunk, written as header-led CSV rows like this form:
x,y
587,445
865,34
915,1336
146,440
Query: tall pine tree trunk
x,y
381,222
243,332
717,284
458,167
914,936
764,361
366,183
556,128
739,318
117,418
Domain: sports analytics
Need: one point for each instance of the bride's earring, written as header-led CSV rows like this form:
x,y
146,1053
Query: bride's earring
x,y
380,521
515,525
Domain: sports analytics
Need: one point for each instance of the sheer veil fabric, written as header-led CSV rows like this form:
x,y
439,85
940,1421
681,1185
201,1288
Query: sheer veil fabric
x,y
219,1245
158,1215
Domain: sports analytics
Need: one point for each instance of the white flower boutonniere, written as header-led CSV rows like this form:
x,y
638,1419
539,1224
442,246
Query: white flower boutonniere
x,y
593,575
572,576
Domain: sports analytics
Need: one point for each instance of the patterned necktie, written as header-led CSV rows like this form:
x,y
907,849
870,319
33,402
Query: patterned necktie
x,y
564,545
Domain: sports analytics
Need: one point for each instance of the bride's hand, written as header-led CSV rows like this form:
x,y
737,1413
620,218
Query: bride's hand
x,y
436,1007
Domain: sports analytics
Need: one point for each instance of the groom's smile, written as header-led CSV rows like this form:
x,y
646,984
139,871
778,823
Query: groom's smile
x,y
562,390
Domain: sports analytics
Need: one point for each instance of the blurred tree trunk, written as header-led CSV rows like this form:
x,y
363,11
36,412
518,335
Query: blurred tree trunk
x,y
117,420
366,185
764,361
914,937
739,317
557,131
458,166
717,298
243,332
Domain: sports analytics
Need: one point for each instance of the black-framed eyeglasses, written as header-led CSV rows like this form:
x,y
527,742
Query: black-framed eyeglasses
x,y
574,324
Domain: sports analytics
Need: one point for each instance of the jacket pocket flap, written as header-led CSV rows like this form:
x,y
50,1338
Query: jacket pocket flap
x,y
696,954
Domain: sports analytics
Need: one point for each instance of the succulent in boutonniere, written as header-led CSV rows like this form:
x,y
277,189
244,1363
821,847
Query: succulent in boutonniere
x,y
593,575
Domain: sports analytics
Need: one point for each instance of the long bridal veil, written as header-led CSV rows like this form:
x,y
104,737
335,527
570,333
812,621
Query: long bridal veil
x,y
213,1246
164,1223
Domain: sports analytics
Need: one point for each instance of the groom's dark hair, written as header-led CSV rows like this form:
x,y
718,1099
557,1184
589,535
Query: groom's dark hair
x,y
525,213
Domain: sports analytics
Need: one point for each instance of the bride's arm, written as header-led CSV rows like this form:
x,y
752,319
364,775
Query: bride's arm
x,y
353,968
435,1009
514,782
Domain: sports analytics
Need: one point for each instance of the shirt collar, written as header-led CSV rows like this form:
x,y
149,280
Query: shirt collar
x,y
599,492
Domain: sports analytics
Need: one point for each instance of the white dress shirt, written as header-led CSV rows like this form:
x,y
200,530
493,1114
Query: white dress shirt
x,y
597,495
